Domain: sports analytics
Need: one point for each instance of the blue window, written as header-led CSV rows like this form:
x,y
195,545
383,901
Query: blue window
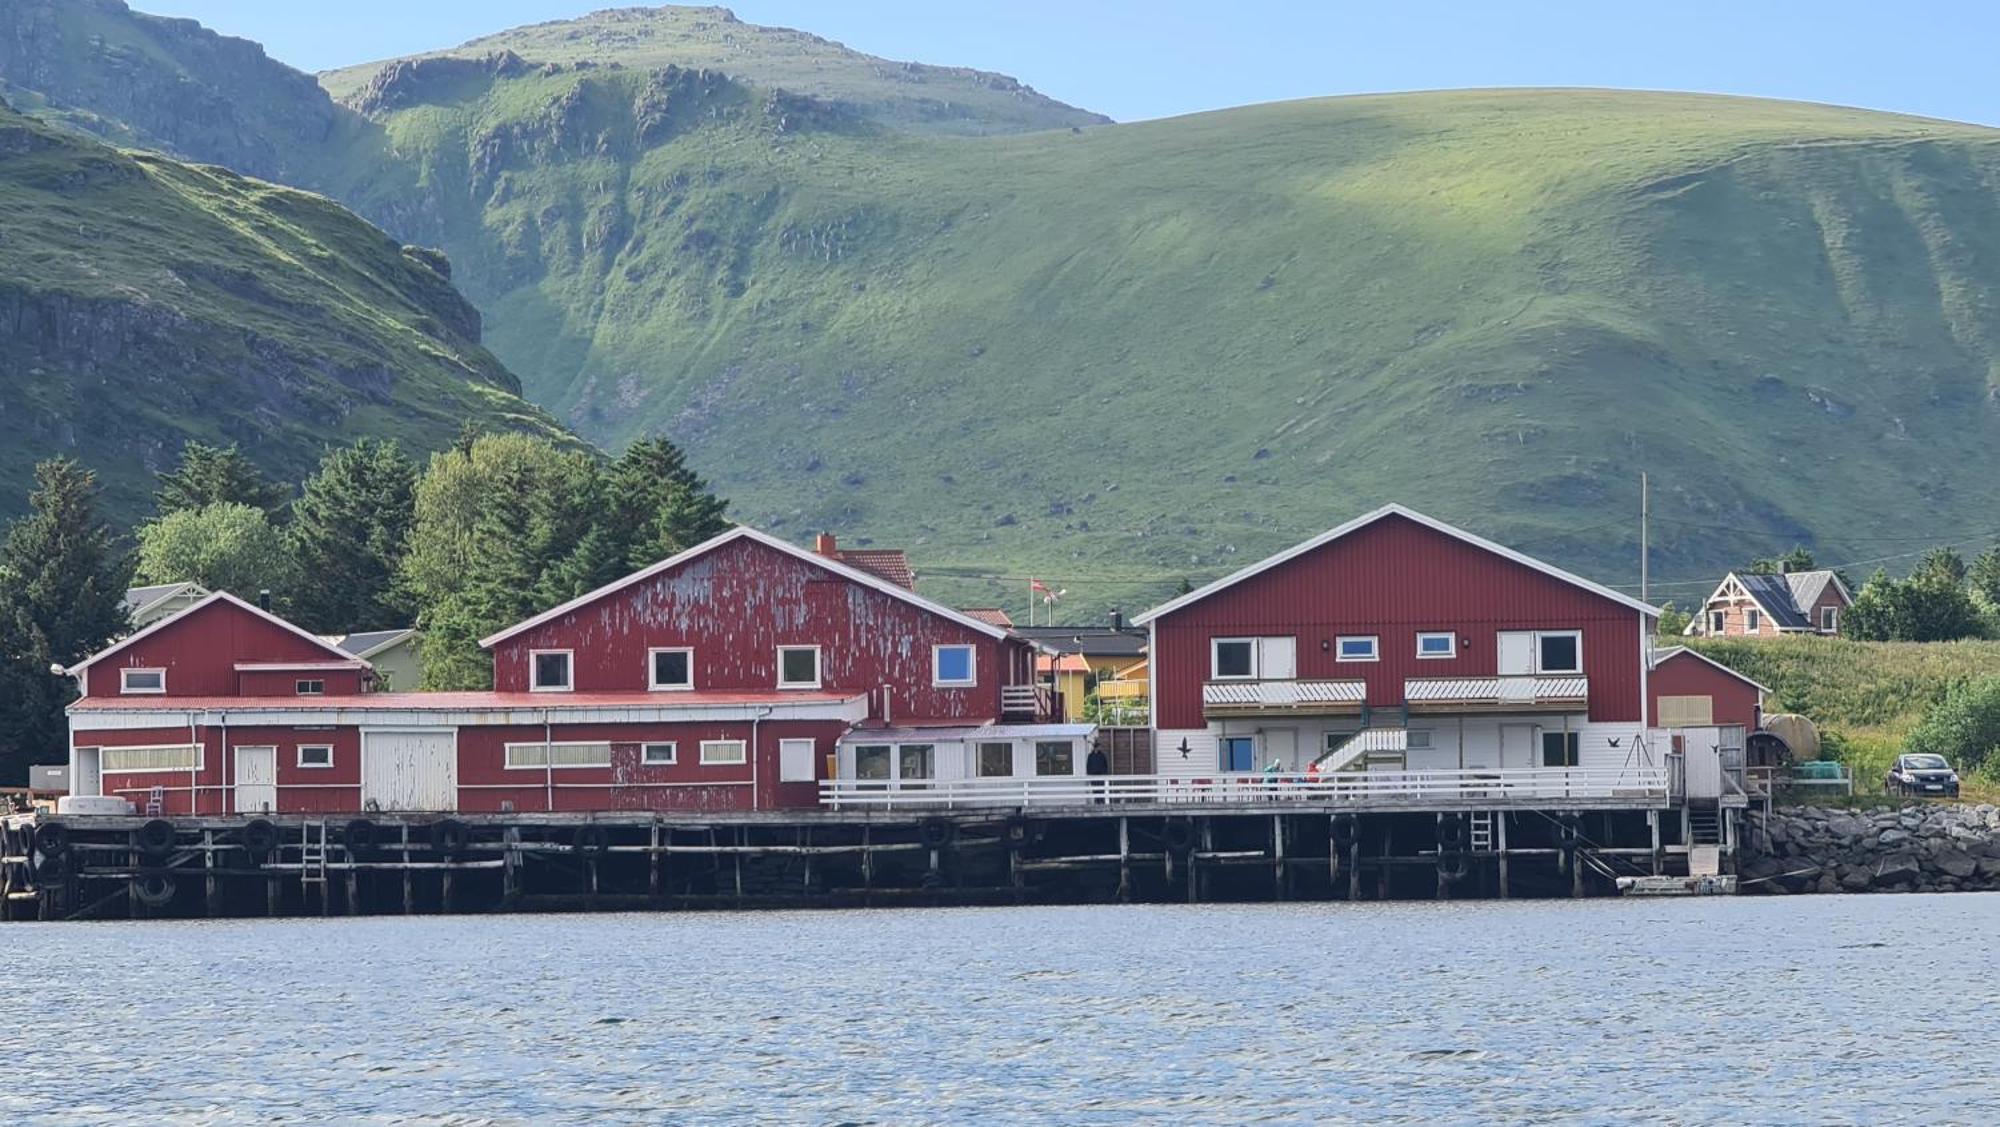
x,y
1239,753
1437,645
1357,648
953,665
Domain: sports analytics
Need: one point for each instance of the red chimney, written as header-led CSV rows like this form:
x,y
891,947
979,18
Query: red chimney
x,y
824,545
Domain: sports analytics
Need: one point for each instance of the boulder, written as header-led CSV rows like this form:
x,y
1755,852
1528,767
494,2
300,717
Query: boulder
x,y
1855,878
1896,869
1955,864
1846,826
1893,837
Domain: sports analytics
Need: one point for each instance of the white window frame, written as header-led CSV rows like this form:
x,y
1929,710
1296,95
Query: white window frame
x,y
742,752
1215,672
1411,742
299,686
569,667
548,754
1013,758
1577,634
646,753
104,757
1829,619
653,682
971,665
1718,621
819,669
303,748
1340,648
125,682
1450,649
1753,620
812,760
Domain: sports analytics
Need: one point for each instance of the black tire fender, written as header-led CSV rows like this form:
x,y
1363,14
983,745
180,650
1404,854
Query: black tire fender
x,y
1178,834
358,836
936,833
1344,830
1453,867
1017,832
591,840
154,889
51,838
260,837
1451,831
156,837
450,836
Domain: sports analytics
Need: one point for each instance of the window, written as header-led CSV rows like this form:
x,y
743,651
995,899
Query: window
x,y
953,665
996,760
521,756
798,667
1437,645
175,758
1687,711
723,753
1753,620
142,680
1417,739
796,761
315,755
1234,658
311,688
659,754
550,671
1717,621
1055,757
670,669
871,761
1239,753
1559,651
915,760
1559,749
1829,619
1356,648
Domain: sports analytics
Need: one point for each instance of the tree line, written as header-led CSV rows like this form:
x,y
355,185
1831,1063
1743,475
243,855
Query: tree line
x,y
493,530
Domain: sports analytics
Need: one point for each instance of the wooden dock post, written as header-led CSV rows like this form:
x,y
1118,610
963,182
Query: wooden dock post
x,y
1124,860
1278,856
1653,825
653,859
211,886
409,887
1354,867
510,866
1382,868
1500,825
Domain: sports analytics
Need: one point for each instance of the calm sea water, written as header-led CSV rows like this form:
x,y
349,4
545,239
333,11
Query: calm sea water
x,y
1831,1009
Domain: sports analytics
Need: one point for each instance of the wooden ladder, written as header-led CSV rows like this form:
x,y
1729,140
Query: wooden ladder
x,y
312,853
1480,838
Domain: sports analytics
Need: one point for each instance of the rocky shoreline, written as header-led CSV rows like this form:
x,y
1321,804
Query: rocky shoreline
x,y
1920,847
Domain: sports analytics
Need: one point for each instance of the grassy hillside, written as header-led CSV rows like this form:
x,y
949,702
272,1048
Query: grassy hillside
x,y
146,301
1868,695
1116,355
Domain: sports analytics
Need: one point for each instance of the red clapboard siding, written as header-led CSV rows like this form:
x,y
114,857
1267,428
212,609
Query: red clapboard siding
x,y
200,651
1393,579
485,782
1685,675
735,606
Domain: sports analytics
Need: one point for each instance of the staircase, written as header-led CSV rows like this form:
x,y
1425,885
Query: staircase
x,y
1704,824
1480,837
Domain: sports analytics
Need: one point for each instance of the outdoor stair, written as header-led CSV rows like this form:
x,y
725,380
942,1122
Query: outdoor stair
x,y
1704,825
312,853
1480,835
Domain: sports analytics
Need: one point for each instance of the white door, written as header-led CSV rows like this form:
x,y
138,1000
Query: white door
x,y
415,770
83,775
256,779
1282,744
1517,746
1516,654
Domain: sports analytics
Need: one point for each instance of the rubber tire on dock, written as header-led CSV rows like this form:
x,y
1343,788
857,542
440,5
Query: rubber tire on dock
x,y
450,837
591,841
51,867
1017,832
358,836
1178,835
260,837
1453,867
1571,830
1345,830
155,890
936,833
51,838
156,837
1451,832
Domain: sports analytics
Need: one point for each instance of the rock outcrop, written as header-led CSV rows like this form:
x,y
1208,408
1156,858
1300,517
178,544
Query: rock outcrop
x,y
1931,847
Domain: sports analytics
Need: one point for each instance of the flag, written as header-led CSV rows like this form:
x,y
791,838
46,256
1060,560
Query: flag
x,y
1037,585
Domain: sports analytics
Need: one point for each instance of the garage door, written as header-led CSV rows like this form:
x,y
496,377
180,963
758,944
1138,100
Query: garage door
x,y
415,770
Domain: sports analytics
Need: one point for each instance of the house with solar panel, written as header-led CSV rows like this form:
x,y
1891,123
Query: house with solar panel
x,y
1747,605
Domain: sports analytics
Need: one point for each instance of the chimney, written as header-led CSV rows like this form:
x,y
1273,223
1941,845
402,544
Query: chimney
x,y
264,600
824,544
1117,619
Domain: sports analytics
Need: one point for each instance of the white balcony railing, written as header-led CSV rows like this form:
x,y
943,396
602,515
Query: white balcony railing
x,y
1481,787
1027,701
1282,696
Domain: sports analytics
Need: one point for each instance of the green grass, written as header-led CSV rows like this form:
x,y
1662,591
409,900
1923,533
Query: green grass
x,y
155,301
1866,696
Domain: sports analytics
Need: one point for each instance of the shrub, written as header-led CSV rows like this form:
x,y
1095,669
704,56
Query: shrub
x,y
1964,727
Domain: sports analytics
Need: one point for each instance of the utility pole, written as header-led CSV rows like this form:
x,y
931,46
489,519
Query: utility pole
x,y
1645,519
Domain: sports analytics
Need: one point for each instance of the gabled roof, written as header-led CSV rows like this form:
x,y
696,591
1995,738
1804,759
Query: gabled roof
x,y
368,643
993,616
218,597
1808,586
745,532
1772,593
140,599
1367,519
1094,641
1661,657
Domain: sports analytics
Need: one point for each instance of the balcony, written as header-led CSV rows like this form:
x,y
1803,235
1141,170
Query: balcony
x,y
1566,693
1262,698
1029,704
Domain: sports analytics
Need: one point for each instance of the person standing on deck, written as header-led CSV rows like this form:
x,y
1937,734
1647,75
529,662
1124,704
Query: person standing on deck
x,y
1095,764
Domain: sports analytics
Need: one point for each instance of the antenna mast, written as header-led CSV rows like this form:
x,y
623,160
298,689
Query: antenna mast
x,y
1645,519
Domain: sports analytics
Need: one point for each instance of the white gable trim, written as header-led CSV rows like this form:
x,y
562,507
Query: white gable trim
x,y
175,591
1364,521
219,596
1743,591
745,532
1661,657
392,643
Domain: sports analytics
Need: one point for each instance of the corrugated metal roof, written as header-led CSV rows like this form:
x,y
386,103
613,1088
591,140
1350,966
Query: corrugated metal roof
x,y
1282,694
1091,641
1498,690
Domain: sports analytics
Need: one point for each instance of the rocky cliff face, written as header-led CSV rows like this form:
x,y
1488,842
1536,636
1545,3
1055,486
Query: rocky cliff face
x,y
1916,848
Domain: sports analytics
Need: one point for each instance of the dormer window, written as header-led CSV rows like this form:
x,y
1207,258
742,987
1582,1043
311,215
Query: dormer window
x,y
313,688
550,671
142,681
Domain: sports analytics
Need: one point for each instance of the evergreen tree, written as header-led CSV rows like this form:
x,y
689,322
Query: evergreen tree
x,y
1923,608
657,506
62,590
209,475
224,547
1798,559
1984,576
349,529
1941,565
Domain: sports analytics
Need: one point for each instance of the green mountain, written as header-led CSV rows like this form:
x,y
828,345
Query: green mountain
x,y
144,302
936,309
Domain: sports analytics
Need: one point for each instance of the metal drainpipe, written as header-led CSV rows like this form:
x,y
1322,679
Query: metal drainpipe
x,y
228,791
755,717
194,770
548,763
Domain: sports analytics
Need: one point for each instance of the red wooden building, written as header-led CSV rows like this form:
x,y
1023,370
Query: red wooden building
x,y
1690,690
724,678
1399,641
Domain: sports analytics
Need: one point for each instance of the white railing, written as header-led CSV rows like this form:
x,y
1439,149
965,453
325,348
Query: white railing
x,y
1027,700
1494,787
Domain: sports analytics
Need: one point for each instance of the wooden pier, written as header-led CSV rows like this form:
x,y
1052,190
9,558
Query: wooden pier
x,y
1098,850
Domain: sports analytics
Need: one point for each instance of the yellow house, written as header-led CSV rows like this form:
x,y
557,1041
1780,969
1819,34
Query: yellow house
x,y
1094,660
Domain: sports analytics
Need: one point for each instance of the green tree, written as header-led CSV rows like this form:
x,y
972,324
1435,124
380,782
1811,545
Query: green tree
x,y
1941,565
1984,576
349,529
1673,621
1923,608
209,475
656,506
1964,727
1798,559
224,546
62,590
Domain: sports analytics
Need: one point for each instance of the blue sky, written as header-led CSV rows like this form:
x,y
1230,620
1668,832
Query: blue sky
x,y
1139,60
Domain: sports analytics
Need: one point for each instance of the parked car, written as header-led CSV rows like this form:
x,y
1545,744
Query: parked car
x,y
1921,774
